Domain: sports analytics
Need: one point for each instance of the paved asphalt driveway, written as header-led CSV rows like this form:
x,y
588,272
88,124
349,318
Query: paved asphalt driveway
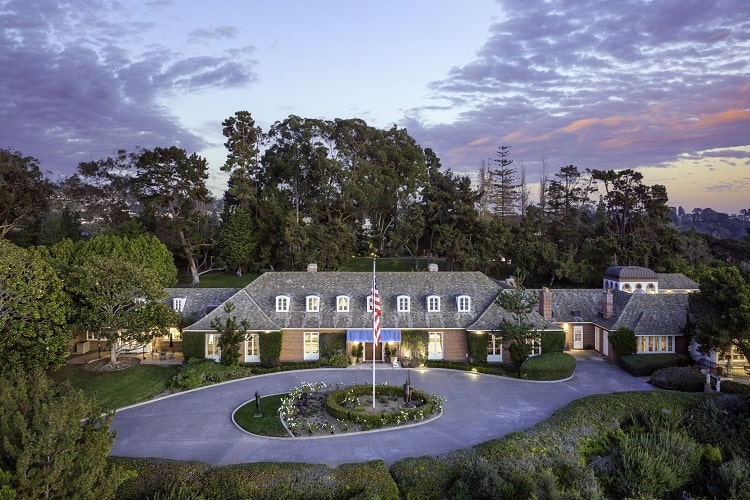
x,y
197,425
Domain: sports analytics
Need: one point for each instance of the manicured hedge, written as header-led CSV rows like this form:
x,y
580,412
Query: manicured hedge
x,y
270,348
553,342
194,345
623,341
159,478
548,366
679,378
478,347
335,400
643,365
731,387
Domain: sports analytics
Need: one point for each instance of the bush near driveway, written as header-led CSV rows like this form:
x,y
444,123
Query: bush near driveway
x,y
679,378
643,365
549,366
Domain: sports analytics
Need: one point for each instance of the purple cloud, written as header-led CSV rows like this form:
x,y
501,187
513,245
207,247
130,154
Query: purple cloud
x,y
74,93
601,85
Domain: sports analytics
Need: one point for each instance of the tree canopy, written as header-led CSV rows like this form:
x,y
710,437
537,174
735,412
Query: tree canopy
x,y
24,192
720,313
34,310
53,442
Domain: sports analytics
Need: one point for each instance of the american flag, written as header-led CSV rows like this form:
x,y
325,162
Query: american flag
x,y
376,311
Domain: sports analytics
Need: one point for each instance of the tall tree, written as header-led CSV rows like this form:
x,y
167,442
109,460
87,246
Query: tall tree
x,y
24,192
637,215
121,302
172,187
236,241
518,332
506,184
34,311
231,335
720,312
54,442
243,161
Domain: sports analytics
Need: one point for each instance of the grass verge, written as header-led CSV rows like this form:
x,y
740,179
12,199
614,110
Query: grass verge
x,y
269,423
121,388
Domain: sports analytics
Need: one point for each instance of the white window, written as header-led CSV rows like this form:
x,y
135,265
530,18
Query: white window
x,y
463,303
433,303
212,347
312,345
178,303
252,348
402,302
536,346
342,303
494,348
282,303
91,336
435,345
369,303
655,343
313,303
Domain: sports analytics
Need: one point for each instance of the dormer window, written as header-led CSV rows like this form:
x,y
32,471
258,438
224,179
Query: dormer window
x,y
369,303
433,303
342,303
178,304
463,303
313,303
403,303
282,303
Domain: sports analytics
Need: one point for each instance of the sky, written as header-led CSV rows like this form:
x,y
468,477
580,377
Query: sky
x,y
659,86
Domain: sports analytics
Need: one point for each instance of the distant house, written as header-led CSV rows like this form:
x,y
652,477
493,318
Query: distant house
x,y
449,306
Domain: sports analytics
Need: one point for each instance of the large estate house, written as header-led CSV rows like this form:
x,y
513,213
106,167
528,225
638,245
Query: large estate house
x,y
448,306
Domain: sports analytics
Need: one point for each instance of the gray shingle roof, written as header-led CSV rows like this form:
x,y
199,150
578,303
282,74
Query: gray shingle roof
x,y
257,301
676,281
200,300
629,272
654,314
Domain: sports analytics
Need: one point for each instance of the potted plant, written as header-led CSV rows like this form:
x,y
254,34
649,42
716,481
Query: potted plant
x,y
359,350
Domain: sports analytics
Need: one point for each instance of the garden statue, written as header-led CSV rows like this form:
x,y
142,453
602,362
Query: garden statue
x,y
257,404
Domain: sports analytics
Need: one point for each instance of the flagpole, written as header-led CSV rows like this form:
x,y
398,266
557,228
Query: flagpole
x,y
374,338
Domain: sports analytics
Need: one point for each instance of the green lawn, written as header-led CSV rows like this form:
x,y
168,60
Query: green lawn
x,y
225,280
122,388
269,423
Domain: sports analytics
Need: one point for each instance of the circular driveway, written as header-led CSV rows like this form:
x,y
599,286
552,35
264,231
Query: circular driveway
x,y
197,425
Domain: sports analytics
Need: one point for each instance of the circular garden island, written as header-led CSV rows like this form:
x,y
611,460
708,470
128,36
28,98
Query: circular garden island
x,y
315,410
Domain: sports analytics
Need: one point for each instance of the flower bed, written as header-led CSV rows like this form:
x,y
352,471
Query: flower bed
x,y
315,409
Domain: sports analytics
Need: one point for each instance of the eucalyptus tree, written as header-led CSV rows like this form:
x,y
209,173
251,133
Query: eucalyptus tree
x,y
637,216
24,192
451,218
171,186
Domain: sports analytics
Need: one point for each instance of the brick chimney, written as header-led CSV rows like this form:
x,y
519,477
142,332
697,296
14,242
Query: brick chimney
x,y
545,303
608,308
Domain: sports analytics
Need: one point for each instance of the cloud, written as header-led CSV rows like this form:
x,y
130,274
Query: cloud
x,y
600,85
74,92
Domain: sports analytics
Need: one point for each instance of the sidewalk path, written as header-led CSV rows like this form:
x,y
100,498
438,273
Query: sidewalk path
x,y
197,425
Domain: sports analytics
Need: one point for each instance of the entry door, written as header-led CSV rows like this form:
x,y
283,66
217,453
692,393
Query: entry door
x,y
577,337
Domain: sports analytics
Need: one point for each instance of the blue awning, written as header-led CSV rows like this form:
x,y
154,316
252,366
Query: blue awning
x,y
365,335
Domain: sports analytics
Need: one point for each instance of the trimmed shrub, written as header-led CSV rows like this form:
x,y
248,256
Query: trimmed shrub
x,y
336,406
643,365
679,378
478,347
194,345
331,343
548,366
553,342
423,478
270,349
338,360
623,341
731,387
200,372
413,348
